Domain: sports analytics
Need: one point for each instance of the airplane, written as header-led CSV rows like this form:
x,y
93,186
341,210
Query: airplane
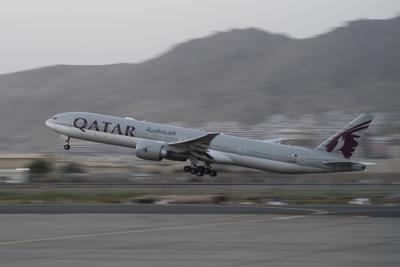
x,y
155,142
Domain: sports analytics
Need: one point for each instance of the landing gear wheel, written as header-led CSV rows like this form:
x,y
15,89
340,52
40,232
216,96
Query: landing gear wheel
x,y
201,169
67,147
199,173
213,173
193,170
187,169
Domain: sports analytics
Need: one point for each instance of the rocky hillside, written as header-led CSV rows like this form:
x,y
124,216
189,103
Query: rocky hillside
x,y
239,75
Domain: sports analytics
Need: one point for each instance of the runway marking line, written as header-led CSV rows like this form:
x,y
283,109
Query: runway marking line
x,y
290,217
236,218
361,217
314,211
362,210
167,228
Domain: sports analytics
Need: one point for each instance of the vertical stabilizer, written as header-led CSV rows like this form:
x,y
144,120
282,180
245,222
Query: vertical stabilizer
x,y
345,141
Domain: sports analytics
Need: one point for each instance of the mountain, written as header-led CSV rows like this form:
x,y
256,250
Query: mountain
x,y
239,75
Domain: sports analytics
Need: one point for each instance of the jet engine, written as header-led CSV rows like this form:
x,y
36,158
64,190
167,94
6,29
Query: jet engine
x,y
151,150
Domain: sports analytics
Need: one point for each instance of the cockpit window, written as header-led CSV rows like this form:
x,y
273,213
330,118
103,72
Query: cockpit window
x,y
55,117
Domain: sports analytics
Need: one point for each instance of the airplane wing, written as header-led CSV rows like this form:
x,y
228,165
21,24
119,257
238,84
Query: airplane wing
x,y
197,146
277,140
205,140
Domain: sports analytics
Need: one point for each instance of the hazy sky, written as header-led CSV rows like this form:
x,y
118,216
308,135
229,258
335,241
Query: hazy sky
x,y
37,33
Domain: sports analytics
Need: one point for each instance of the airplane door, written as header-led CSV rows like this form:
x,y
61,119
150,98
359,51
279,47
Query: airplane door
x,y
301,160
297,159
242,150
293,158
70,121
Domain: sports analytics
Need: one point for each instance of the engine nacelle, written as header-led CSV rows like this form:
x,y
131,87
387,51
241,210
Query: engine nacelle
x,y
151,150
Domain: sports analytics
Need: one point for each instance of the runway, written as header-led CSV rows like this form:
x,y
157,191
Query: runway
x,y
348,210
181,240
199,235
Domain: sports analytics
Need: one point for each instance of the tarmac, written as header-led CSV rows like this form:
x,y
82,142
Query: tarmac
x,y
349,210
298,238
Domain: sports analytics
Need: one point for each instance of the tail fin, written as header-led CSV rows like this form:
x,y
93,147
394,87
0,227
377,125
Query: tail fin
x,y
344,142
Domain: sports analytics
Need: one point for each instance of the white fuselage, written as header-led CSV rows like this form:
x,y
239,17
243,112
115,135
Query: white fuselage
x,y
224,149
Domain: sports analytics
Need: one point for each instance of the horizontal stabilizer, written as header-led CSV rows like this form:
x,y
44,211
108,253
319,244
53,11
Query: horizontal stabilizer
x,y
341,163
368,163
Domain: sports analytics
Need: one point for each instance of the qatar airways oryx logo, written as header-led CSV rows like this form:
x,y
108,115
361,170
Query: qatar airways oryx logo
x,y
346,142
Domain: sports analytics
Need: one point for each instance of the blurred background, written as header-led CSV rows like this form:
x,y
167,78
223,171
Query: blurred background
x,y
255,69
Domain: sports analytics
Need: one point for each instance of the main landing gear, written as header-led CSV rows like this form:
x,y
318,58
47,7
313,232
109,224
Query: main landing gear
x,y
200,170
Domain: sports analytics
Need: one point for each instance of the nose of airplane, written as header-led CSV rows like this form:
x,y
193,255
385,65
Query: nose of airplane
x,y
51,122
48,123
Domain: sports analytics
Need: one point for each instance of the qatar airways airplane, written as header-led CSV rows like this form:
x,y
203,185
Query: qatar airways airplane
x,y
158,141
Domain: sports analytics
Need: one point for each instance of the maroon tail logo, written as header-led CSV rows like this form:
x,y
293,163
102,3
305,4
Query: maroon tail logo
x,y
346,142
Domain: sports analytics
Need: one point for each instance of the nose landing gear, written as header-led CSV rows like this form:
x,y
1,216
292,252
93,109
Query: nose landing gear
x,y
66,140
